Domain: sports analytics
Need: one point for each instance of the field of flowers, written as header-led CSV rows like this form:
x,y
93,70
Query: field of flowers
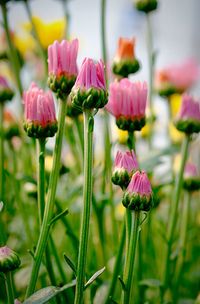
x,y
91,211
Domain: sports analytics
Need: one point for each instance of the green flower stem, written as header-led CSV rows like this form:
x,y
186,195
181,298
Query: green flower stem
x,y
117,266
173,214
2,234
35,34
41,178
9,287
43,238
182,243
131,141
129,267
87,197
13,54
78,125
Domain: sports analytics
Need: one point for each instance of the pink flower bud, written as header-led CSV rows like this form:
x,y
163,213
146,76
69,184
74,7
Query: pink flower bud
x,y
138,195
62,66
6,92
39,113
124,167
188,118
191,178
127,102
89,90
9,260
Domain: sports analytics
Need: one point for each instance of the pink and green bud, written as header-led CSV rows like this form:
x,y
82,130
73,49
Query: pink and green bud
x,y
62,66
138,195
125,62
89,90
124,167
11,126
9,260
39,113
6,93
191,178
188,118
127,102
176,78
146,6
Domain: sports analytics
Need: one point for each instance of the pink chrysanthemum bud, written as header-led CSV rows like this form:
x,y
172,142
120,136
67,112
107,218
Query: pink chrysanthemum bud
x,y
127,102
146,6
177,78
6,92
191,178
62,66
9,260
89,90
125,62
124,167
39,113
188,118
138,195
11,127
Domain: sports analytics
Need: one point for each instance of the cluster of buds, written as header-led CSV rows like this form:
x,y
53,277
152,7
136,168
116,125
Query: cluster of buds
x,y
9,260
138,193
39,113
177,78
146,6
62,67
127,102
89,90
188,118
125,62
191,178
6,93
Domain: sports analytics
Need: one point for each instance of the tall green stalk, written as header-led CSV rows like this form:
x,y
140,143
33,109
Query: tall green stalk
x,y
129,267
48,212
13,56
173,214
41,178
87,198
9,287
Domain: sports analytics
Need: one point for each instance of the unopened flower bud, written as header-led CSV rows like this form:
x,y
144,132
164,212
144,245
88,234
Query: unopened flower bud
x,y
191,179
9,260
89,91
138,195
146,6
6,93
124,167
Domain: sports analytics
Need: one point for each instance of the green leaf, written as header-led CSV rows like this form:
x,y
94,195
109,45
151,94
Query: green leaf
x,y
150,283
122,283
58,216
70,263
94,277
45,294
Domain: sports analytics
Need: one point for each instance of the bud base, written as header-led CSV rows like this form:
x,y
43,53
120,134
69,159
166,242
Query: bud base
x,y
188,126
137,202
61,85
38,131
134,124
89,99
125,67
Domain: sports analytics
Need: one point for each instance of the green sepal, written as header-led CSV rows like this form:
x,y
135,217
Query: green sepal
x,y
137,202
121,178
61,85
124,68
89,99
9,262
72,110
134,124
191,184
188,126
168,90
146,6
38,131
6,95
12,131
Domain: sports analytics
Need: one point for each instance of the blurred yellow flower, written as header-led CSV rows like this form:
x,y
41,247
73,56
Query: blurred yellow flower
x,y
177,163
48,163
120,210
175,102
48,32
146,130
122,136
24,43
175,135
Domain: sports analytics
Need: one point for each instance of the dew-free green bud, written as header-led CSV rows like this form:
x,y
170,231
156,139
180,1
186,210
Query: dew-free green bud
x,y
138,195
146,6
9,260
191,178
6,93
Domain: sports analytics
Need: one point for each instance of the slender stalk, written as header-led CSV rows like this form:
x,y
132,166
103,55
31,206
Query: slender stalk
x,y
87,197
129,268
9,287
117,266
35,34
78,125
173,215
182,243
13,54
131,140
41,178
48,212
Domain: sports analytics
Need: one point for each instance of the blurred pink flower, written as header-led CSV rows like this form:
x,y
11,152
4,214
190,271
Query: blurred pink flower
x,y
190,170
62,58
91,75
140,185
127,99
177,78
126,160
190,108
3,83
